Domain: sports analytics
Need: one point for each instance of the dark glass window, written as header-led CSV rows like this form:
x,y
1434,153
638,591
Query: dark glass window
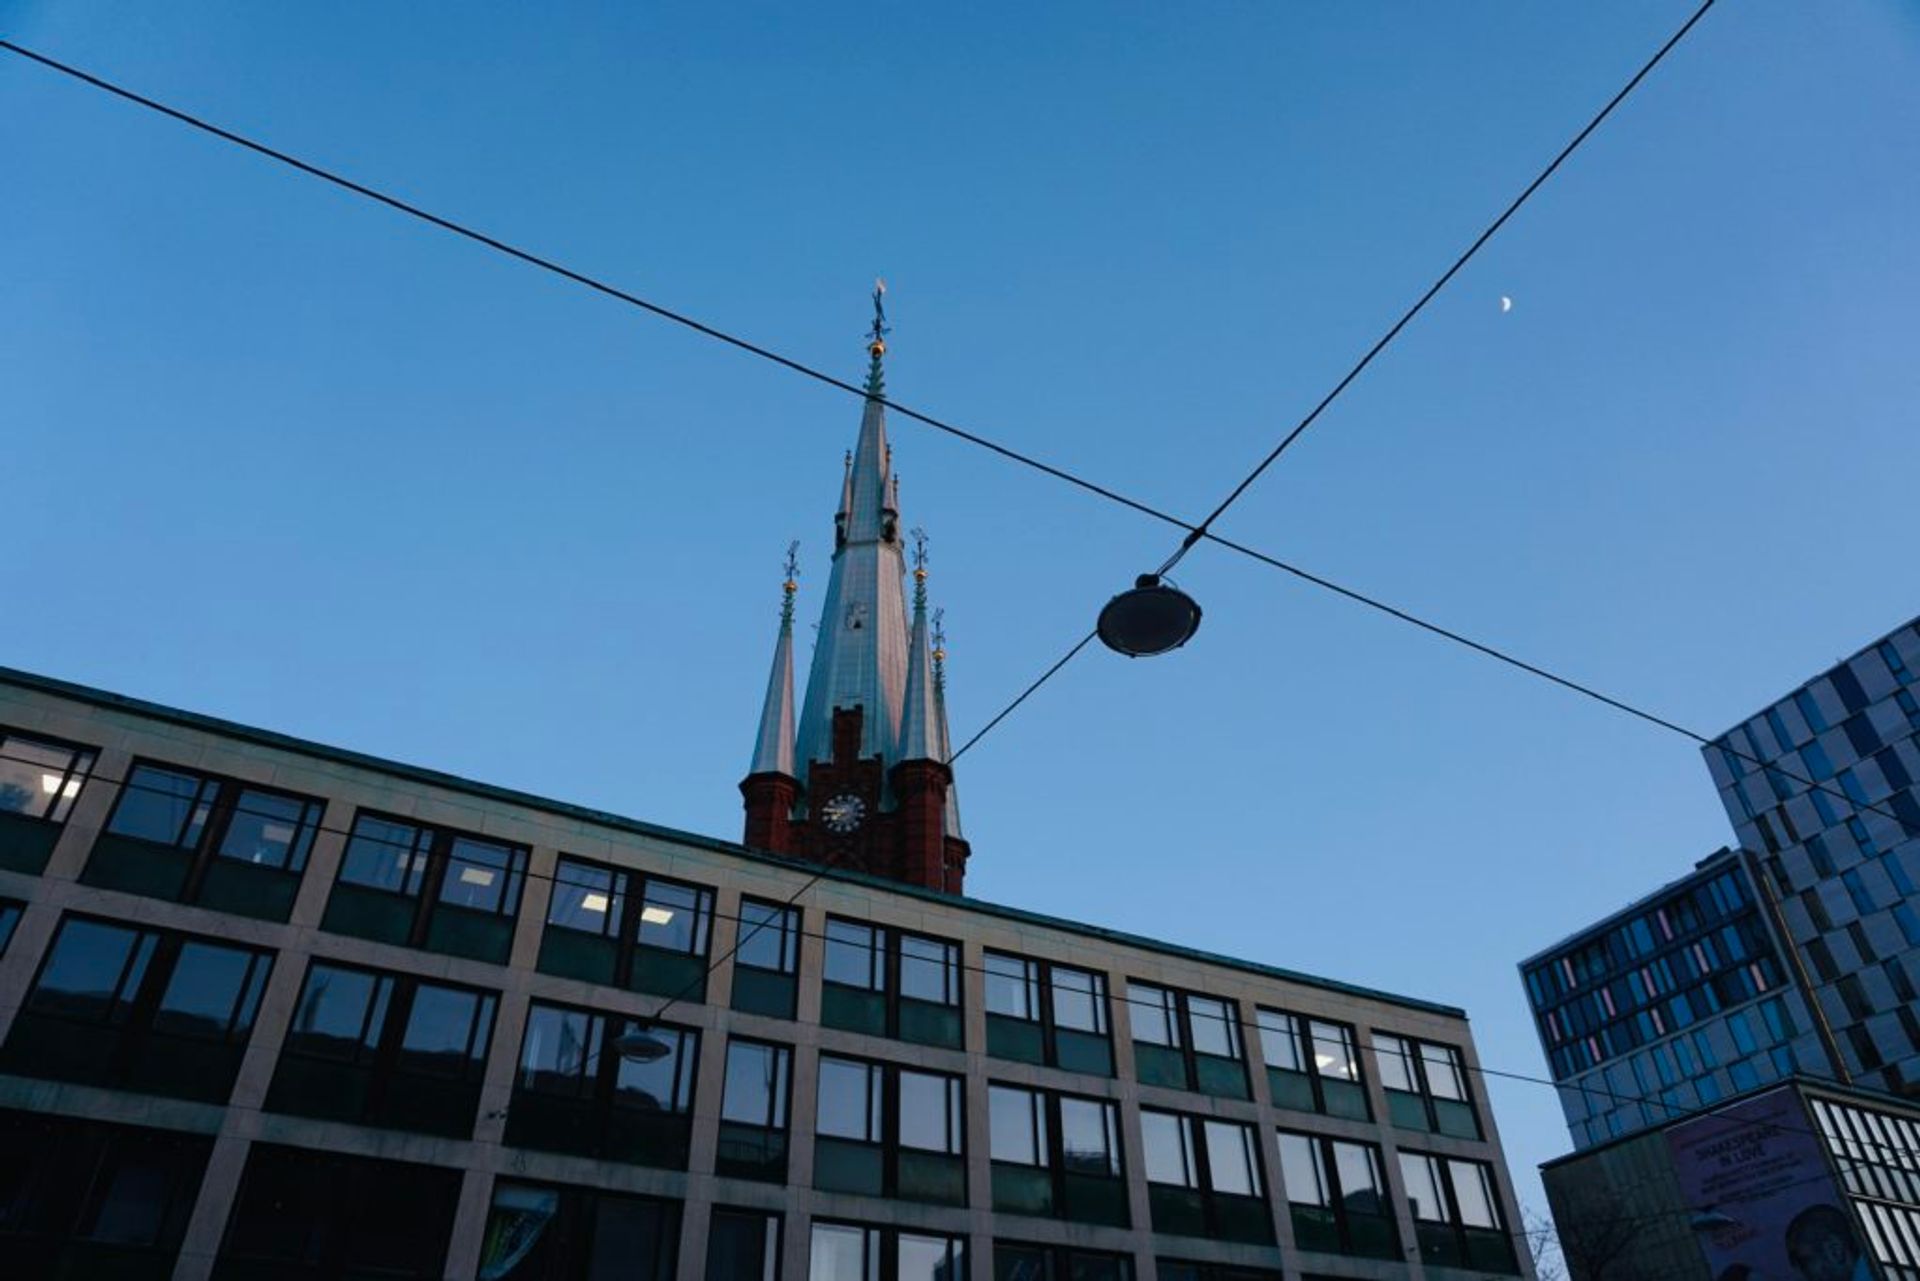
x,y
766,959
1056,1154
549,1232
1187,1041
1426,1086
197,838
9,918
385,1049
627,929
302,1213
743,1245
428,887
150,1010
888,982
1184,1270
577,1092
1337,1196
1203,1177
1017,1261
886,1130
753,1111
1456,1213
41,777
83,1199
1312,1065
1040,1012
862,1252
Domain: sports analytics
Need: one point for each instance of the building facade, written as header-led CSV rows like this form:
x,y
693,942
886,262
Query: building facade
x,y
269,1009
1821,784
1803,1178
1674,1003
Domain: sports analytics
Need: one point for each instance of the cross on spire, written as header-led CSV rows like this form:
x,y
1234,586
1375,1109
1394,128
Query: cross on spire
x,y
877,340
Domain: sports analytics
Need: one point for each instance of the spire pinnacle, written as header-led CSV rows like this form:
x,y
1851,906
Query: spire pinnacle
x,y
790,585
773,746
919,570
877,340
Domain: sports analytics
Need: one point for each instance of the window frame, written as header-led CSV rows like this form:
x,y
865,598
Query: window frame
x,y
1054,1044
750,1149
886,1165
771,1252
576,1221
1449,1240
432,922
73,779
131,1047
598,1118
1071,1195
880,1247
880,1006
619,954
1199,1073
1205,1210
1435,1108
397,1094
1331,1094
1337,1206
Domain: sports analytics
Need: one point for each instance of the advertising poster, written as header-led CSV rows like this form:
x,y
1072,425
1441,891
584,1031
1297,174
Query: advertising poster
x,y
1765,1207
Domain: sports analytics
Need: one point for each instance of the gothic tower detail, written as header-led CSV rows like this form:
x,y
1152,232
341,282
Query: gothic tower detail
x,y
862,780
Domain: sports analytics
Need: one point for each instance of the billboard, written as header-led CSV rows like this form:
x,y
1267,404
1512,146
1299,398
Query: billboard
x,y
1756,1185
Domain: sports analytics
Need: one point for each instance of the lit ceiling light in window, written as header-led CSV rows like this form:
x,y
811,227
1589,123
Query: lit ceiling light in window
x,y
655,915
593,902
50,783
476,876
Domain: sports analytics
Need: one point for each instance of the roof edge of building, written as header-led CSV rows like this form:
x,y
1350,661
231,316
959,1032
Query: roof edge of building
x,y
1607,921
489,791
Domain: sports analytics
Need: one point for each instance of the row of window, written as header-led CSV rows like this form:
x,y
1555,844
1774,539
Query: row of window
x,y
241,847
77,1197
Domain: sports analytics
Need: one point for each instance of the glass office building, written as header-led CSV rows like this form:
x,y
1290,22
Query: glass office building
x,y
1671,1004
1821,786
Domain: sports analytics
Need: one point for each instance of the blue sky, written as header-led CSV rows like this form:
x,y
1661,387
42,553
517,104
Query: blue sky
x,y
275,454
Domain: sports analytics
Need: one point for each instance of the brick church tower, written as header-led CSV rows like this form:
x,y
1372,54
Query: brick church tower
x,y
862,781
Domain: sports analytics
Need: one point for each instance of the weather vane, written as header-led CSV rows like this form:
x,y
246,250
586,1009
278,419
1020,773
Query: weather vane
x,y
790,584
877,335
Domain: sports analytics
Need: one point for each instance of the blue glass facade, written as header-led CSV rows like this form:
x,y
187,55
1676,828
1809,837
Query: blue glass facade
x,y
1822,785
1671,1004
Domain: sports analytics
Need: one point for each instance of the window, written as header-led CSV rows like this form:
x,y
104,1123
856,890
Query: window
x,y
858,1252
9,918
1056,1154
1182,1270
1426,1086
766,959
890,983
39,781
1203,1177
149,1010
81,1199
546,1232
626,929
1337,1197
576,1092
1016,1261
195,838
1187,1041
890,1131
743,1245
1039,1012
427,887
1312,1065
1456,1213
304,1213
753,1111
384,1049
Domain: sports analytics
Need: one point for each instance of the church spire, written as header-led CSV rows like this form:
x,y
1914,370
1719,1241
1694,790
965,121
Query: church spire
x,y
919,726
773,746
943,740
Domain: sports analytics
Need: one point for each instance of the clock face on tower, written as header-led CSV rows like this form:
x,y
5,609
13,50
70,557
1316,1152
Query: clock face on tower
x,y
842,813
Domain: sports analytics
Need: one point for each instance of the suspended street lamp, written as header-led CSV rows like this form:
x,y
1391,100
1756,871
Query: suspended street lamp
x,y
1151,618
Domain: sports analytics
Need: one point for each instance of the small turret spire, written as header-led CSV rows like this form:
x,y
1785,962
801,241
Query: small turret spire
x,y
919,726
943,741
877,341
773,745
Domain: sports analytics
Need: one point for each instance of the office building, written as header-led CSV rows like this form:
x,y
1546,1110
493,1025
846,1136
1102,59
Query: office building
x,y
1802,1178
1671,1004
1820,784
270,1009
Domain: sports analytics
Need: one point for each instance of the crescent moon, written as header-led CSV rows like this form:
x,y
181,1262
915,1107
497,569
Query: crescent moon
x,y
1506,303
